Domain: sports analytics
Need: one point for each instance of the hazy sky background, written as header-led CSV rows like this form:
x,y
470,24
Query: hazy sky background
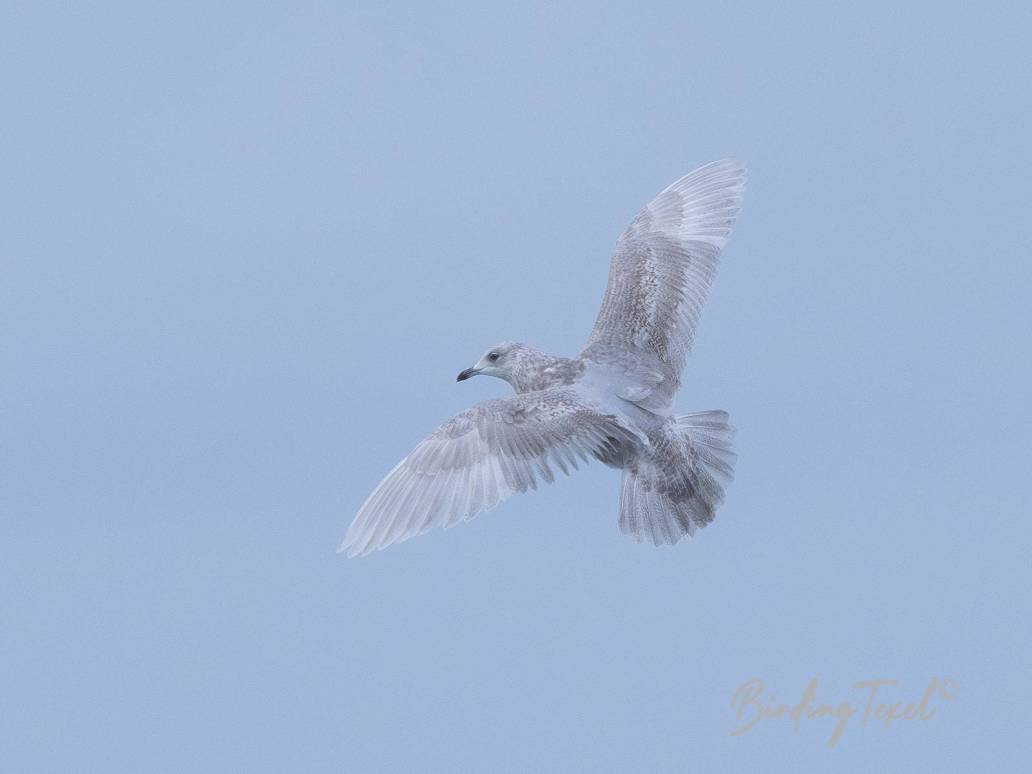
x,y
245,250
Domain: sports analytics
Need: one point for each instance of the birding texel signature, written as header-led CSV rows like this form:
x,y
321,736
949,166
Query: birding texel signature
x,y
879,698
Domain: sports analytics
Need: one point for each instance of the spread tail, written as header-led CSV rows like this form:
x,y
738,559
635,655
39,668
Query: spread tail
x,y
676,484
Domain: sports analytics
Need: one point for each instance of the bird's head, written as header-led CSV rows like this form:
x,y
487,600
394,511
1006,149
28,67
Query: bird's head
x,y
505,360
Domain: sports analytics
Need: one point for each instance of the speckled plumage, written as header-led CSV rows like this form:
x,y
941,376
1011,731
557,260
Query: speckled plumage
x,y
611,403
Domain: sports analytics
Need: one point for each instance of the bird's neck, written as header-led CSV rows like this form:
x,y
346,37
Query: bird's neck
x,y
546,371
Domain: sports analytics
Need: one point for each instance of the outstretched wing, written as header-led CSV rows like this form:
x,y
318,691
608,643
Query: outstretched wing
x,y
663,267
479,458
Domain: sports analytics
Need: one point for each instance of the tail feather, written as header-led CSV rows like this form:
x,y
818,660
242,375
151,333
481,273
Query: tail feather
x,y
678,482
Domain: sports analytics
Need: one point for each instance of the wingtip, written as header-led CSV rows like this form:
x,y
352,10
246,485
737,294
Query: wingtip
x,y
350,548
731,168
727,174
730,163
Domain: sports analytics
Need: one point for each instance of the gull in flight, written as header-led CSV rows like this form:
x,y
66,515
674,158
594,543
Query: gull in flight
x,y
611,403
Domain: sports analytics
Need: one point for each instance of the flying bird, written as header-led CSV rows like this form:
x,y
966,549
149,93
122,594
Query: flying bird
x,y
611,403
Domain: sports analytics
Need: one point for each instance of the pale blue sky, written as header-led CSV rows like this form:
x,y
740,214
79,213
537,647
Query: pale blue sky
x,y
245,250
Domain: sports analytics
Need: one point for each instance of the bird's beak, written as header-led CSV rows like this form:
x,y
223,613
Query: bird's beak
x,y
464,375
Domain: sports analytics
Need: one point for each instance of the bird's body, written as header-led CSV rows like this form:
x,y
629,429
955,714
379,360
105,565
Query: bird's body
x,y
613,402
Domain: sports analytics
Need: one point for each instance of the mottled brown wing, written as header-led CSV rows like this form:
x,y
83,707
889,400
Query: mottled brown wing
x,y
663,266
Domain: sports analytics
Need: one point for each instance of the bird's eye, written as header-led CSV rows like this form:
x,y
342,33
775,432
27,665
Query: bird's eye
x,y
492,357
